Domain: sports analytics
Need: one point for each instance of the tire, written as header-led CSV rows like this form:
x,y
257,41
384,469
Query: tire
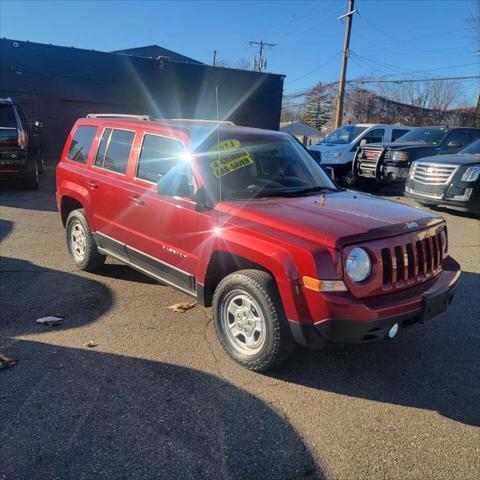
x,y
41,162
81,244
30,176
251,296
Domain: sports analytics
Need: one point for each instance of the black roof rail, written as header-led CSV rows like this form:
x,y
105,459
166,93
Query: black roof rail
x,y
146,118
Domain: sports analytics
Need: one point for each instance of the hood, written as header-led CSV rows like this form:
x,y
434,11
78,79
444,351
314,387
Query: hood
x,y
456,159
399,145
330,147
334,219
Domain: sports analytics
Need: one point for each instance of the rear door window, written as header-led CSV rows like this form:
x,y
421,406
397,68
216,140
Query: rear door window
x,y
114,150
81,143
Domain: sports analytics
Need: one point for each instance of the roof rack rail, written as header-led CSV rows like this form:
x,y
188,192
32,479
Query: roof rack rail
x,y
146,118
198,120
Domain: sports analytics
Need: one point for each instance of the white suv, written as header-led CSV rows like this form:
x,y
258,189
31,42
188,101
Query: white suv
x,y
336,151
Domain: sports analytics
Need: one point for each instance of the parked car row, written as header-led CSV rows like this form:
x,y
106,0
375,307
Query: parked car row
x,y
431,162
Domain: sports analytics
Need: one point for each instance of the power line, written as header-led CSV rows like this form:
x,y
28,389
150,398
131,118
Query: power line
x,y
305,91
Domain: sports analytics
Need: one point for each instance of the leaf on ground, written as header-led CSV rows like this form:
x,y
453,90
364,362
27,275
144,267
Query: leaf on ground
x,y
182,307
91,344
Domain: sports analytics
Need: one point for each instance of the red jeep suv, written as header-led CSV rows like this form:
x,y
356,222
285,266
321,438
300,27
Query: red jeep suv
x,y
244,220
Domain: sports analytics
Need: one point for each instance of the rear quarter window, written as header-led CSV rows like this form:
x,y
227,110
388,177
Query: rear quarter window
x,y
81,143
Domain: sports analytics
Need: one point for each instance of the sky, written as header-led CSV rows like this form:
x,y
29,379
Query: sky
x,y
395,38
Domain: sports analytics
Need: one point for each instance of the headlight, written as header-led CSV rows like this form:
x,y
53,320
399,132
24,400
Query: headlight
x,y
471,174
359,265
399,156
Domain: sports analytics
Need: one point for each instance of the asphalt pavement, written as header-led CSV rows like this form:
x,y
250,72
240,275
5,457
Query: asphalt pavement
x,y
157,397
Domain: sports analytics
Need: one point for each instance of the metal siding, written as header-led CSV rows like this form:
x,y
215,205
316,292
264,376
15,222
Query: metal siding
x,y
59,84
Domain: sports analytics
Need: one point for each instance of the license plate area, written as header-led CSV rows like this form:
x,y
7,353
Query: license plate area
x,y
433,305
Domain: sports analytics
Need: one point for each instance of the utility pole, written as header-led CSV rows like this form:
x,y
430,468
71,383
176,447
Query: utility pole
x,y
343,73
214,58
260,64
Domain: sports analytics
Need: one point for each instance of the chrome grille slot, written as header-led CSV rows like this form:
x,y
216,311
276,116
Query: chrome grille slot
x,y
433,173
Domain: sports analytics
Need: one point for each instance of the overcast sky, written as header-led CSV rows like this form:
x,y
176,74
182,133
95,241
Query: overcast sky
x,y
399,38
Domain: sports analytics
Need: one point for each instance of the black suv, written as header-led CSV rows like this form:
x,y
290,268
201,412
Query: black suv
x,y
21,153
447,180
385,163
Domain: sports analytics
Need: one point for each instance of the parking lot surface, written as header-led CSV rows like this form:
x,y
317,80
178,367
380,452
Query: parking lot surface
x,y
158,398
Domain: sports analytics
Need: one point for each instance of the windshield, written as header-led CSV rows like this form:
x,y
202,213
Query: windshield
x,y
259,166
344,135
424,135
472,148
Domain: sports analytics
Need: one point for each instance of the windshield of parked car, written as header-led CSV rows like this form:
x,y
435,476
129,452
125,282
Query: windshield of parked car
x,y
259,166
424,135
344,135
472,148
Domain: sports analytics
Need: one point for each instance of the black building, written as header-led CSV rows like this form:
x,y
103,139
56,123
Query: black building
x,y
56,85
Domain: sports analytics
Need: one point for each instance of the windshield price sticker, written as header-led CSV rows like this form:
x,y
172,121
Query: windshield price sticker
x,y
231,158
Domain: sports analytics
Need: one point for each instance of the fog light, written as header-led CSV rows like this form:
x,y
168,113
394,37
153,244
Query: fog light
x,y
393,331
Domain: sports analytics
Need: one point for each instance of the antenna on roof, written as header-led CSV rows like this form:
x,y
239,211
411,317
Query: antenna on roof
x,y
218,152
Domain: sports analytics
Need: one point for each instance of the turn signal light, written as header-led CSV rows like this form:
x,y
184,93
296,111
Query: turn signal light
x,y
324,285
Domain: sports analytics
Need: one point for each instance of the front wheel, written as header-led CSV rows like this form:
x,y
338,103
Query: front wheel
x,y
250,321
81,243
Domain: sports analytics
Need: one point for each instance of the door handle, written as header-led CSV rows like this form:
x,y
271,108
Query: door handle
x,y
92,185
137,200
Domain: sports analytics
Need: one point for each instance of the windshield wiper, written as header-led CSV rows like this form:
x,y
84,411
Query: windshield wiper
x,y
316,188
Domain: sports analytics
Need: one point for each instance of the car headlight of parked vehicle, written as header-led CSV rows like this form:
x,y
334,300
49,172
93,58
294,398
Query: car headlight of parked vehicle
x,y
359,265
471,174
399,156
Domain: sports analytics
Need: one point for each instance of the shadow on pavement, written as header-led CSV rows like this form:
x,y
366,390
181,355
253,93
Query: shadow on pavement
x,y
433,366
29,291
69,413
79,413
13,195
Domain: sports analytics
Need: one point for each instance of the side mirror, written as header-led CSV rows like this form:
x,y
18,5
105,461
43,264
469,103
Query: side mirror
x,y
37,124
363,142
202,200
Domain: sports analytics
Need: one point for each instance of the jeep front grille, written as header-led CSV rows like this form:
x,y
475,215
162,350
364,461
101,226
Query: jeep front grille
x,y
411,263
432,173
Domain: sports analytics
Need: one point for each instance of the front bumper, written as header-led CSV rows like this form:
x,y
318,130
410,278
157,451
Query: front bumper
x,y
12,160
374,317
443,196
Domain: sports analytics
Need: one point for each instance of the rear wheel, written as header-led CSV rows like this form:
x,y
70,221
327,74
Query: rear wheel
x,y
81,243
250,321
30,176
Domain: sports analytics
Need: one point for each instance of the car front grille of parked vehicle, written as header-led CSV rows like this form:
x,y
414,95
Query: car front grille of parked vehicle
x,y
432,173
412,262
368,159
